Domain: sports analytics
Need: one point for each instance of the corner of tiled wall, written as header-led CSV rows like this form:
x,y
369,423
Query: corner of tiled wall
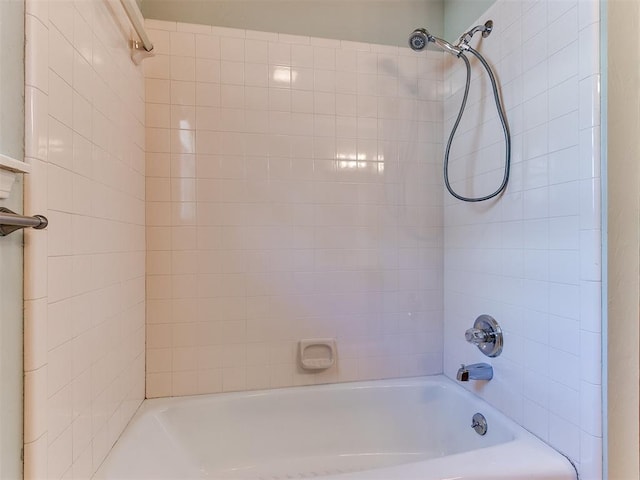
x,y
532,258
84,274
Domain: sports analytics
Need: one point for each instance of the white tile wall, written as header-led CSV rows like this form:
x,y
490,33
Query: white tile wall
x,y
532,258
84,275
293,191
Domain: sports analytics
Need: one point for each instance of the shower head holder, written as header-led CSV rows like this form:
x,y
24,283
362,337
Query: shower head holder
x,y
486,30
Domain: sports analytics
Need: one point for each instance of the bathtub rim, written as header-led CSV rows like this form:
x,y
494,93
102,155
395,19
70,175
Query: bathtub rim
x,y
155,406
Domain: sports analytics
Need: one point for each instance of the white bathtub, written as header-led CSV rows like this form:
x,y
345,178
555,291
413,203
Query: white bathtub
x,y
394,429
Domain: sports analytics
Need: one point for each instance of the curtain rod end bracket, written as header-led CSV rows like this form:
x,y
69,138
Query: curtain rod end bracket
x,y
139,52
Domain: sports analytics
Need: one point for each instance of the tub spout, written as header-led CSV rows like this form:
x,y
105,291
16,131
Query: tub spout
x,y
477,371
463,374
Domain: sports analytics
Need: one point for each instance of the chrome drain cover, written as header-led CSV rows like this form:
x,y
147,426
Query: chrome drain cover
x,y
479,424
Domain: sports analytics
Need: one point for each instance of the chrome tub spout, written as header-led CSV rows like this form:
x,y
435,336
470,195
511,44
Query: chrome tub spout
x,y
476,371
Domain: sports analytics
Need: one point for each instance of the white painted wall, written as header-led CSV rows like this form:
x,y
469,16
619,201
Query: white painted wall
x,y
11,343
12,78
11,144
459,14
375,21
623,197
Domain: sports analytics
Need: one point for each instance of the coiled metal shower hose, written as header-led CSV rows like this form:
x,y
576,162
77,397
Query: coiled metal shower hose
x,y
505,128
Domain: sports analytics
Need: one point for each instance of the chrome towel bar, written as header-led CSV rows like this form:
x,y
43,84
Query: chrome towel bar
x,y
11,221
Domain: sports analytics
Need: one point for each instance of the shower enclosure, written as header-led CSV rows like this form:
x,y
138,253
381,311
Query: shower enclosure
x,y
243,190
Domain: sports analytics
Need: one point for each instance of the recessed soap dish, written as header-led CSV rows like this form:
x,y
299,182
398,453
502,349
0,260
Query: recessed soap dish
x,y
317,353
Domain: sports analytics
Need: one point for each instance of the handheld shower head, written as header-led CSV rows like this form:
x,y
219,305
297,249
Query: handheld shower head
x,y
420,38
446,46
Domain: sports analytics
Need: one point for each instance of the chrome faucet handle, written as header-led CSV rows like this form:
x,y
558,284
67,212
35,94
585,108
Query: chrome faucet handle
x,y
486,334
477,336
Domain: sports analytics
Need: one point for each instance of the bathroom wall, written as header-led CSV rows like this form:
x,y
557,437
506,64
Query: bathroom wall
x,y
12,79
11,144
621,93
11,342
380,21
84,275
460,14
532,257
293,191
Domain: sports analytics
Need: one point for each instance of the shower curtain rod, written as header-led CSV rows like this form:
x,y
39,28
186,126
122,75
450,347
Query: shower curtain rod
x,y
133,12
11,221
